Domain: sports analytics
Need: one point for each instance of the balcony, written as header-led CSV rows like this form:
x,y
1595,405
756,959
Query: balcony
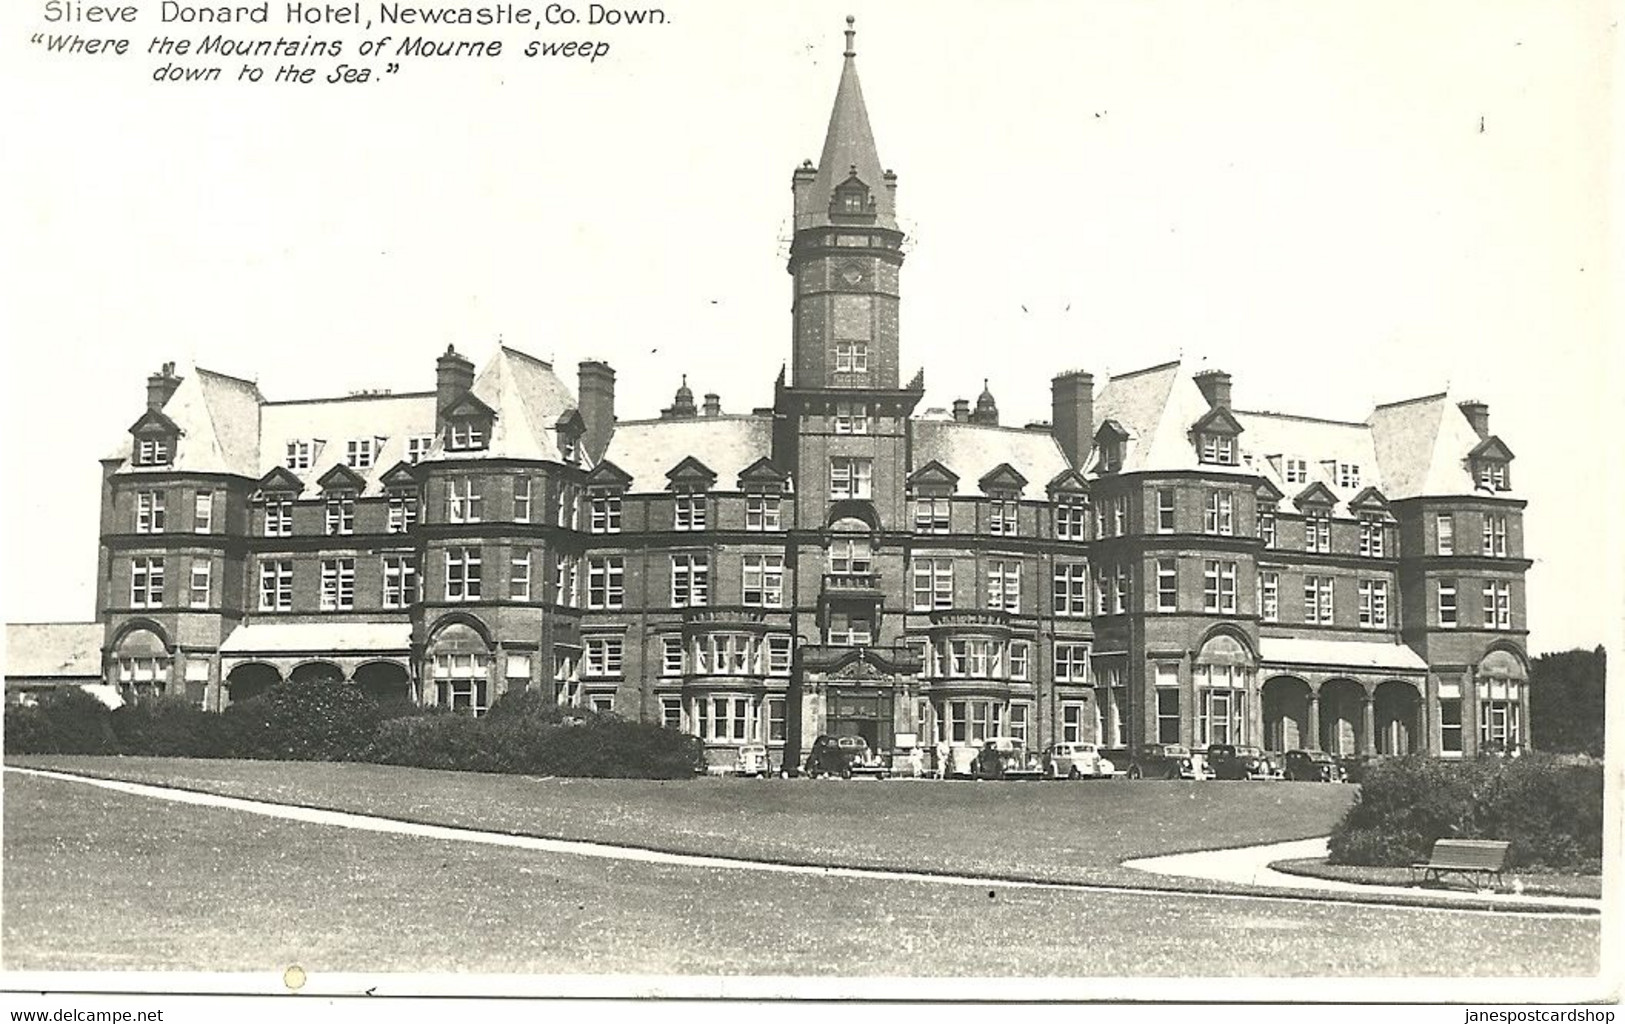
x,y
852,584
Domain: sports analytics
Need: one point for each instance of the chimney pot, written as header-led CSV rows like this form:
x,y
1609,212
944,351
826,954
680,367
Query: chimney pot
x,y
961,410
713,404
161,386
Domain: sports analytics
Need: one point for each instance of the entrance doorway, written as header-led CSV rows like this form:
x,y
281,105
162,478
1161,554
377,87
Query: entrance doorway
x,y
865,712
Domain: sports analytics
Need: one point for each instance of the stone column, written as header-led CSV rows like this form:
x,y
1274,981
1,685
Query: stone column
x,y
1312,741
1368,735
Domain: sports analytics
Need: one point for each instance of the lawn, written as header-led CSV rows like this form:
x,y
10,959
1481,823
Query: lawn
x,y
1072,831
108,881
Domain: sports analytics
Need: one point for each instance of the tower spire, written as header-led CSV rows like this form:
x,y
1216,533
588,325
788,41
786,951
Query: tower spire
x,y
849,150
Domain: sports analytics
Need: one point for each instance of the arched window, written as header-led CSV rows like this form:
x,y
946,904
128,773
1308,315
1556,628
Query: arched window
x,y
141,665
1223,677
460,664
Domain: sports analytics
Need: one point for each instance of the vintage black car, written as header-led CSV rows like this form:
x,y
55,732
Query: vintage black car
x,y
1003,758
1162,761
844,757
1228,761
1311,766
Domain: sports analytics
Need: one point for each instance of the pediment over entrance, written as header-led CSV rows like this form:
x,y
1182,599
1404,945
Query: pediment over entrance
x,y
859,663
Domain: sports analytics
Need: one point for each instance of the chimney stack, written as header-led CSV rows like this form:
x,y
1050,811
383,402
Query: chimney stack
x,y
454,375
161,387
1072,414
713,404
961,410
1478,414
1215,386
596,400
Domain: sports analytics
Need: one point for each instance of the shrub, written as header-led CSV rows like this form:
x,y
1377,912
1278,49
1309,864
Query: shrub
x,y
27,731
1550,812
309,720
66,721
169,727
455,742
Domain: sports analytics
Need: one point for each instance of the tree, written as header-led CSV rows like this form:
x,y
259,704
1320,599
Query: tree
x,y
1566,701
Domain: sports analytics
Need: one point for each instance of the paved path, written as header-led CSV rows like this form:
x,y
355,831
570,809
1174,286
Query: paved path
x,y
1250,865
1245,865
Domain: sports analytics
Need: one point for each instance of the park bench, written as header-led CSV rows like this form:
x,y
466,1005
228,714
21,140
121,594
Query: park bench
x,y
1478,860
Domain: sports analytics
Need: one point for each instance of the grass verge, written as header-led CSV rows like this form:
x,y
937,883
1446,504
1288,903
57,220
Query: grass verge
x,y
1543,884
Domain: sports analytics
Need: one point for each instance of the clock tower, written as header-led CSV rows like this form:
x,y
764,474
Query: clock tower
x,y
846,253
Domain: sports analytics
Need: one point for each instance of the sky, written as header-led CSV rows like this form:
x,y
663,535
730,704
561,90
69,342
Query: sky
x,y
1340,203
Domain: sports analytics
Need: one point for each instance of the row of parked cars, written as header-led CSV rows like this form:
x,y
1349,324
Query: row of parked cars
x,y
1005,758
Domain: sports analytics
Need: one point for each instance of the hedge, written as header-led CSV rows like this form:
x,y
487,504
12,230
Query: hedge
x,y
318,720
1549,810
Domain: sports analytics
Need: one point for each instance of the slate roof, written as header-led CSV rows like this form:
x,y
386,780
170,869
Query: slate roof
x,y
218,417
63,651
1422,447
648,449
335,421
849,142
528,398
1346,653
972,450
317,637
1404,449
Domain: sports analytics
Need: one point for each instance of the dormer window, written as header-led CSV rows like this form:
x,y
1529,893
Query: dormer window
x,y
1217,449
360,452
1296,471
1492,475
300,454
466,434
152,451
340,513
278,515
417,447
1348,474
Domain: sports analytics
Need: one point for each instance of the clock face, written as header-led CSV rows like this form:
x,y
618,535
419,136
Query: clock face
x,y
852,273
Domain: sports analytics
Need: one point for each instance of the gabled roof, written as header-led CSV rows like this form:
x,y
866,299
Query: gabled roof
x,y
691,472
402,474
1002,477
1268,492
1068,481
762,471
1491,447
972,450
1217,420
1316,493
1368,499
646,449
153,421
607,474
934,474
469,404
1154,410
280,480
341,478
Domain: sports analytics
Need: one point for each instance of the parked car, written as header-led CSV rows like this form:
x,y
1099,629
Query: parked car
x,y
1162,761
1228,761
1077,761
1005,758
844,757
752,761
1311,766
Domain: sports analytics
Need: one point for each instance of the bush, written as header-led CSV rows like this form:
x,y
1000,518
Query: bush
x,y
66,721
313,720
169,727
27,731
1550,812
531,736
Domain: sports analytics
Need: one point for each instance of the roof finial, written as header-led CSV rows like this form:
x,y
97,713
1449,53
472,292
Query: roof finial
x,y
851,33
